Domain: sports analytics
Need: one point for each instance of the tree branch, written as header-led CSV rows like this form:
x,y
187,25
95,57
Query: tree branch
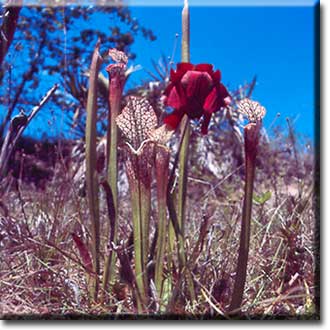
x,y
11,139
8,26
26,77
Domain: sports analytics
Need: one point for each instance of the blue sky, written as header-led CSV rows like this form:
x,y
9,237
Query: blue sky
x,y
274,43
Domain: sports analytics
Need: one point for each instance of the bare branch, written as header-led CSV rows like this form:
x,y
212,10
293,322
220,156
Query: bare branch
x,y
18,128
8,26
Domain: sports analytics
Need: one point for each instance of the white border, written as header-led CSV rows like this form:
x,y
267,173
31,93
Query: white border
x,y
325,226
224,3
170,3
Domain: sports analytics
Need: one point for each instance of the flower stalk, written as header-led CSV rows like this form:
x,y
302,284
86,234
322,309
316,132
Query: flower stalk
x,y
91,168
255,114
183,157
185,41
185,127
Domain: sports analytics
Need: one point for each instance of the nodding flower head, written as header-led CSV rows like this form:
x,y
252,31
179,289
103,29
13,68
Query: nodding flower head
x,y
255,113
195,90
117,70
252,110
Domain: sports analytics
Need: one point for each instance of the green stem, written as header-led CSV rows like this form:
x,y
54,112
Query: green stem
x,y
183,175
162,167
171,244
112,171
185,127
183,159
170,263
145,201
137,231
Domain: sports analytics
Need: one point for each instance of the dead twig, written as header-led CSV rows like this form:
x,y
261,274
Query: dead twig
x,y
16,129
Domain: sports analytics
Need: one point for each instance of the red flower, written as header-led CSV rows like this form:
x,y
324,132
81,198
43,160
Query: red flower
x,y
194,90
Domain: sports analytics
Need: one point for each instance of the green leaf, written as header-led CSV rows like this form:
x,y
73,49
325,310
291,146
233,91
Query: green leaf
x,y
263,198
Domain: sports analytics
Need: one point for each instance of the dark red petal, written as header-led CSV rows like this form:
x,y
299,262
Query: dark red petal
x,y
176,97
216,99
212,101
223,91
173,120
168,89
197,85
216,76
227,100
173,75
204,68
181,69
184,66
224,95
205,123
